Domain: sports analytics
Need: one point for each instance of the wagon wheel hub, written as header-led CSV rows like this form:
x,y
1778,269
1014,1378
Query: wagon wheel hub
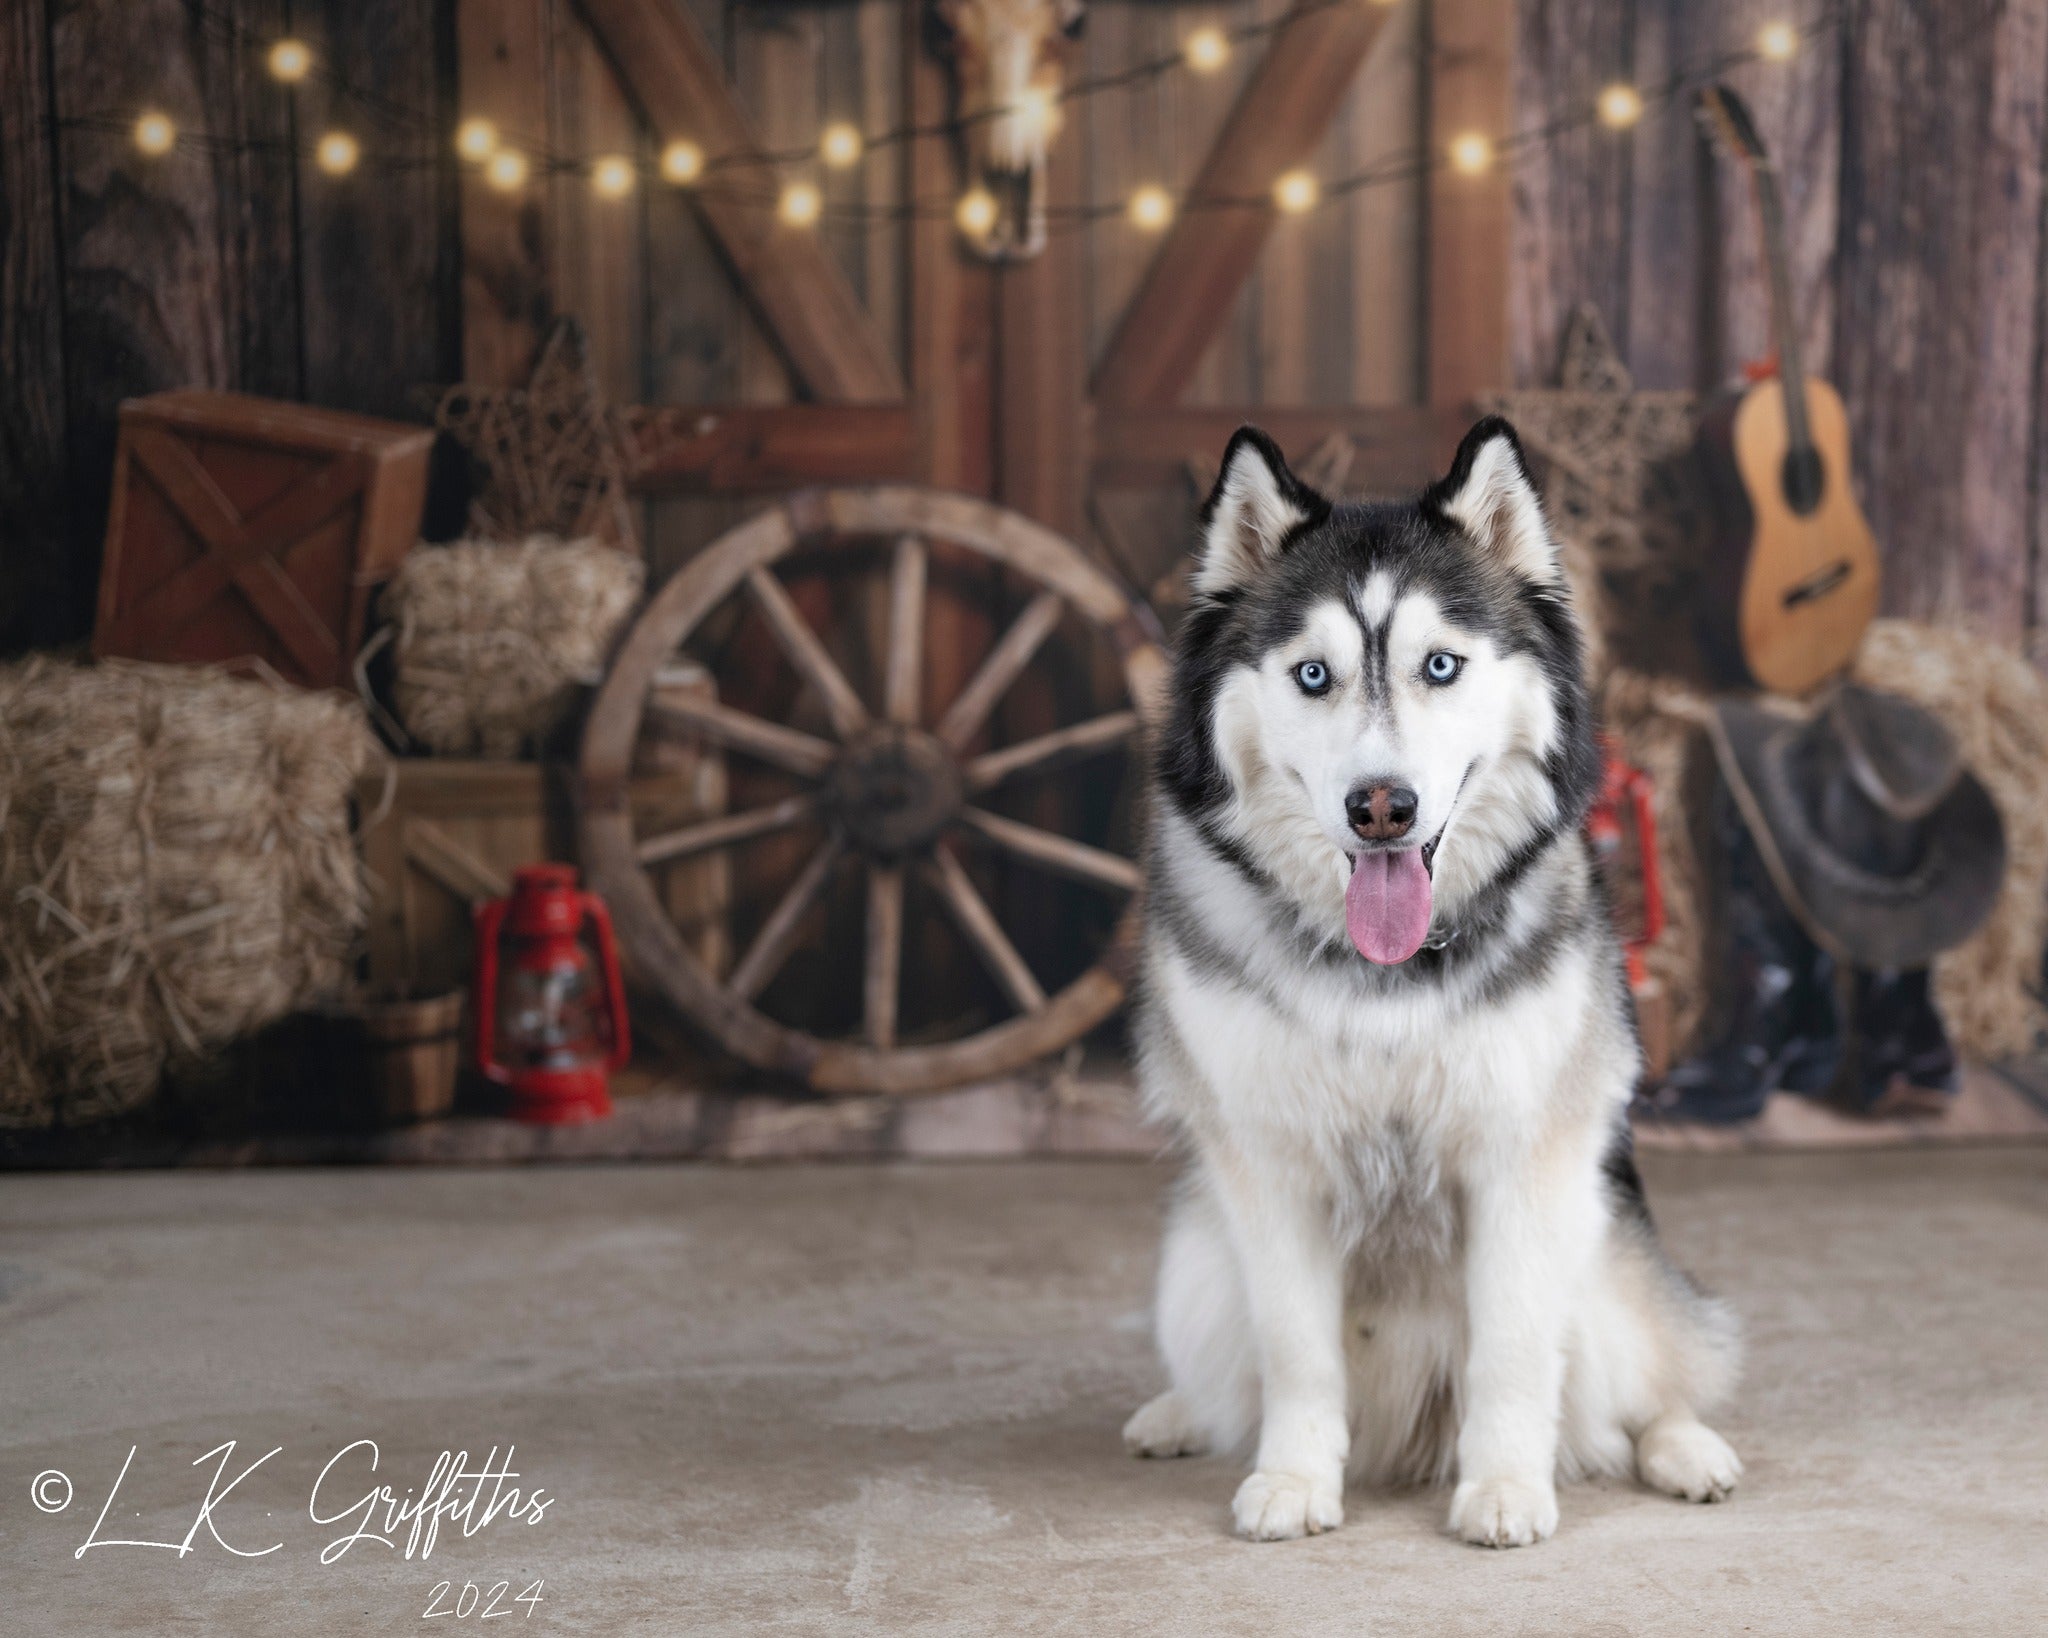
x,y
894,790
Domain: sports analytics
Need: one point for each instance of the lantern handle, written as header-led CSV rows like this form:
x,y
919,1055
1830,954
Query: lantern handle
x,y
490,918
614,986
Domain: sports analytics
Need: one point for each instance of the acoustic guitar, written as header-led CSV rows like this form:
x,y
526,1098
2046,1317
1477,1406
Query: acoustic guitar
x,y
1794,581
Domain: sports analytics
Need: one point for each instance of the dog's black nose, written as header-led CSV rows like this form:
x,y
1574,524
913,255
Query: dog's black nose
x,y
1379,813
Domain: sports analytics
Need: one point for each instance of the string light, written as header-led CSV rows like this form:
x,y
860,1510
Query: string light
x,y
800,205
1471,154
1296,191
505,170
682,162
839,146
1207,50
290,61
1039,109
1777,42
976,213
1151,208
1620,107
155,134
476,140
336,153
611,175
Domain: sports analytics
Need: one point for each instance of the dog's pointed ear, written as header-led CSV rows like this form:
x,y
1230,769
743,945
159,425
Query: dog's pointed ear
x,y
1487,493
1257,506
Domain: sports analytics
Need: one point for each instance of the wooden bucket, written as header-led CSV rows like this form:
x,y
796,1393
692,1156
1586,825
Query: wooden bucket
x,y
407,1053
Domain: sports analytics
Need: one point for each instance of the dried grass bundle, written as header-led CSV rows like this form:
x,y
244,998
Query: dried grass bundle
x,y
493,639
176,870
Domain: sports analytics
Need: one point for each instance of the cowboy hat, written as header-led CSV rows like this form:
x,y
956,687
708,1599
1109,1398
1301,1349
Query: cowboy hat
x,y
1882,844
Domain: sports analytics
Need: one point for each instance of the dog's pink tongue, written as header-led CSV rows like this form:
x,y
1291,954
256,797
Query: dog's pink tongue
x,y
1386,907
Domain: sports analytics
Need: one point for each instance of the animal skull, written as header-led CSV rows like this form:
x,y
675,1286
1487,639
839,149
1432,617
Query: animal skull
x,y
1009,63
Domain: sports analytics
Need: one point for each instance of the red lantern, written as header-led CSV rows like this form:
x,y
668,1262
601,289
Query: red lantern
x,y
553,1026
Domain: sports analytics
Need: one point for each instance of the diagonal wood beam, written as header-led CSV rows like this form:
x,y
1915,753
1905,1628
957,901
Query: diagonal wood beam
x,y
1277,123
786,273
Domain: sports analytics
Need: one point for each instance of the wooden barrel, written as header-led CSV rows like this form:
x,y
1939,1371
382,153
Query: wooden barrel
x,y
410,1049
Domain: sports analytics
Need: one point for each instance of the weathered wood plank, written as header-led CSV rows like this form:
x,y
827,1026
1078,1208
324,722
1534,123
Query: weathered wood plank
x,y
45,595
1666,331
1386,221
1936,313
1399,447
1277,123
1470,46
750,448
378,250
1570,201
178,270
803,300
503,66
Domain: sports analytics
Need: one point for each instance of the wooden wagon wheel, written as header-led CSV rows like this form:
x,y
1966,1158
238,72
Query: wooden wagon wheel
x,y
888,788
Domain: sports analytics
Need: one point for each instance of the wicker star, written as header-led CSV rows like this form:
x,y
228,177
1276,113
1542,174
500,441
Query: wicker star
x,y
551,453
1617,481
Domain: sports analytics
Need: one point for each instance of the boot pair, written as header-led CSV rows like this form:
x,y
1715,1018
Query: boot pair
x,y
1793,1021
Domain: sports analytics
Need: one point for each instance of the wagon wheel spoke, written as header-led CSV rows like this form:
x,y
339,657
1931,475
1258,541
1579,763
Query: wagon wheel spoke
x,y
778,934
1006,661
974,918
723,832
883,973
1050,750
1056,853
806,653
904,674
786,748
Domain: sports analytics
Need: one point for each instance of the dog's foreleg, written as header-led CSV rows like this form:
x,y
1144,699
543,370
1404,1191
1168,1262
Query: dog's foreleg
x,y
1530,1227
1294,1287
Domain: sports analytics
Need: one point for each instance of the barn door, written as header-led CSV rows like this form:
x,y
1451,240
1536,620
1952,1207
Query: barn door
x,y
1091,386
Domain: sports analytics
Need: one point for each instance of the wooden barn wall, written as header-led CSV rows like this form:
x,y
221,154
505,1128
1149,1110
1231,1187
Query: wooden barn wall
x,y
1912,152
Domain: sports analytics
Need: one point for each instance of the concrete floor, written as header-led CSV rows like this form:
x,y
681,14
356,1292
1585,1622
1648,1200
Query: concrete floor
x,y
887,1400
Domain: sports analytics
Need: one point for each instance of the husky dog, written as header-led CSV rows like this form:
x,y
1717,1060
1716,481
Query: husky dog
x,y
1383,1007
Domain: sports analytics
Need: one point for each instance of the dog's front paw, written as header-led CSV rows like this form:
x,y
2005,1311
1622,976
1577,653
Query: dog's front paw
x,y
1504,1512
1687,1458
1164,1427
1281,1506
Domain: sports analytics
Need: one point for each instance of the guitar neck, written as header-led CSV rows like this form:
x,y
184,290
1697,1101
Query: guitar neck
x,y
1784,324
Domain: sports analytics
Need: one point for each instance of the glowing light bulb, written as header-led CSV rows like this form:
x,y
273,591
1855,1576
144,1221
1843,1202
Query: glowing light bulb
x,y
1777,42
1296,192
1471,154
336,153
155,134
976,212
611,175
1207,50
1039,109
476,139
1151,208
505,170
1620,107
682,162
290,61
800,205
840,146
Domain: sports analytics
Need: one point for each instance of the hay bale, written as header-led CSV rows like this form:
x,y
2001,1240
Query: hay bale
x,y
1996,704
493,639
176,870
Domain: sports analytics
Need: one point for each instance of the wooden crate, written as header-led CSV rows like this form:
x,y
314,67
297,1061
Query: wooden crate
x,y
448,834
245,531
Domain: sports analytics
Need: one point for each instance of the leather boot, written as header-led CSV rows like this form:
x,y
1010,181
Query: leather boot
x,y
1781,1024
1899,1060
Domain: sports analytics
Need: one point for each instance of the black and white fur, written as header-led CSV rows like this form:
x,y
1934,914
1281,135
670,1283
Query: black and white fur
x,y
1411,1242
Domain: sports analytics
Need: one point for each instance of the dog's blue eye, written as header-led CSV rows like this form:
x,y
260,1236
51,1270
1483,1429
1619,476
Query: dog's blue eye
x,y
1313,676
1442,667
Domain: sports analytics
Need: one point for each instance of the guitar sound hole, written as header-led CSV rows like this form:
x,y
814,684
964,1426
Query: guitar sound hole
x,y
1803,479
